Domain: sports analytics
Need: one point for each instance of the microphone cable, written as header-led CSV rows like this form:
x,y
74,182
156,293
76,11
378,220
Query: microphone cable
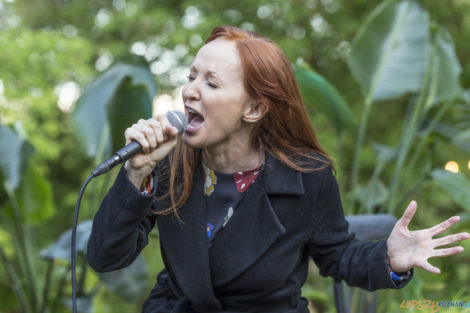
x,y
74,238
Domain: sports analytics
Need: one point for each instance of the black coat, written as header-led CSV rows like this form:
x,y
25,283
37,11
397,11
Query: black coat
x,y
258,262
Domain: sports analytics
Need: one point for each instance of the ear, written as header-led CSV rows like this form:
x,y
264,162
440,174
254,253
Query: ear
x,y
253,111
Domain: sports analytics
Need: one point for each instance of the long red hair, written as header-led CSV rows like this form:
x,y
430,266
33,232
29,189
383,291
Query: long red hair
x,y
284,131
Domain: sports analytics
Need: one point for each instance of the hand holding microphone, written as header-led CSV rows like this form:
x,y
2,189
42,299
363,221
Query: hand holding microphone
x,y
148,142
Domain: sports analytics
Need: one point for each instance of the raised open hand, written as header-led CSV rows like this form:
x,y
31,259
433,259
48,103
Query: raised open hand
x,y
407,249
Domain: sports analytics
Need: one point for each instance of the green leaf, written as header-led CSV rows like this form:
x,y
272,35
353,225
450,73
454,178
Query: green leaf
x,y
466,96
129,283
448,68
90,116
372,195
34,197
385,155
60,249
462,140
389,55
455,184
384,152
14,155
322,96
129,104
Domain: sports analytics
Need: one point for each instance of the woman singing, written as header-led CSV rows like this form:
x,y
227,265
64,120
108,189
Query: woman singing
x,y
245,197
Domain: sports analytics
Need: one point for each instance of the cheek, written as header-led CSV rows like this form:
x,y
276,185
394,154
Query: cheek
x,y
227,109
225,119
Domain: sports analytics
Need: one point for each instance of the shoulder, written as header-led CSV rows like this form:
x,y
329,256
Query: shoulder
x,y
304,176
316,167
320,182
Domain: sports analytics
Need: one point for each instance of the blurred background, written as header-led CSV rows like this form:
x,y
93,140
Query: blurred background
x,y
386,84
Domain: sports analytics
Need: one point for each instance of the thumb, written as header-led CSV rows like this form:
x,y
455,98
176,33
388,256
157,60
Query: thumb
x,y
430,268
408,214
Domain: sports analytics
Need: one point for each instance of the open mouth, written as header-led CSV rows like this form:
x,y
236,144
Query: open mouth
x,y
194,119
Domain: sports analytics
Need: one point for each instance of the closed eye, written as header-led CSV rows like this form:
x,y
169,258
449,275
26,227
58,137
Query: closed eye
x,y
212,85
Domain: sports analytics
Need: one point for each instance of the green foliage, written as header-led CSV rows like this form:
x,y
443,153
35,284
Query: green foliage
x,y
396,52
34,64
111,103
455,184
411,57
17,215
447,69
34,186
60,249
14,154
130,103
320,95
389,53
129,283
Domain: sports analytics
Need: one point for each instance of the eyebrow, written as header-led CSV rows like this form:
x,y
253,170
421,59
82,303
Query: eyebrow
x,y
209,73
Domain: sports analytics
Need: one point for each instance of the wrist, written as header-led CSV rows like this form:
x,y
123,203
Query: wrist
x,y
397,276
137,176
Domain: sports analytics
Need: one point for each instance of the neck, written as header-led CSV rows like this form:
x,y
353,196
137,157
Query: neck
x,y
234,156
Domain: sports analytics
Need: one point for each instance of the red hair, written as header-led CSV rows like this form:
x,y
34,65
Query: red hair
x,y
284,131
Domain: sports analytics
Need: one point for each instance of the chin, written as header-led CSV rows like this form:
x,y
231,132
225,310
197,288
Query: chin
x,y
193,142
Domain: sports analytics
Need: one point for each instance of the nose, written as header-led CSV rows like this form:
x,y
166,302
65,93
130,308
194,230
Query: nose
x,y
191,92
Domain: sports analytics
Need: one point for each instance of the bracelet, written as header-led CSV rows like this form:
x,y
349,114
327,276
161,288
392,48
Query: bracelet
x,y
147,186
398,277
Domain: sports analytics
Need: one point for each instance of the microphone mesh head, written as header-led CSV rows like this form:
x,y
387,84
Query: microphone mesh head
x,y
178,120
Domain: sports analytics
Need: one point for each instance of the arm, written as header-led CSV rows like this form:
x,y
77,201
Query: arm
x,y
122,223
338,253
120,227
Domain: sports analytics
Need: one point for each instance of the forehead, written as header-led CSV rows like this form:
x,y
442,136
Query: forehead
x,y
219,56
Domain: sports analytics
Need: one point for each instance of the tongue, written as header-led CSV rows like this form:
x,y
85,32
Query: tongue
x,y
196,121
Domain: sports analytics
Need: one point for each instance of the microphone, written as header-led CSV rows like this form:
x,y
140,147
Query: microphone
x,y
176,119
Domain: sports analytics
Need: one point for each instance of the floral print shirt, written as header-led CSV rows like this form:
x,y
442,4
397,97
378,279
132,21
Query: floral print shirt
x,y
222,193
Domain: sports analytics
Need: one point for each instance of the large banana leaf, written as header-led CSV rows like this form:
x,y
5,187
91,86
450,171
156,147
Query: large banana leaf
x,y
21,180
448,67
129,103
455,184
91,116
35,197
129,283
460,138
322,96
389,55
372,195
14,155
61,248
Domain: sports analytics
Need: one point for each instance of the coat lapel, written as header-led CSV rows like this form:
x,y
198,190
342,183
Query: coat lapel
x,y
254,226
186,250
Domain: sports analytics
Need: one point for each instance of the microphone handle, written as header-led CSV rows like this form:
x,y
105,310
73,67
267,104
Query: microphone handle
x,y
176,118
120,156
129,151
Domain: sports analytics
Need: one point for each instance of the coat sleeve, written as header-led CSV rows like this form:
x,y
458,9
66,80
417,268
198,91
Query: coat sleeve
x,y
120,227
337,252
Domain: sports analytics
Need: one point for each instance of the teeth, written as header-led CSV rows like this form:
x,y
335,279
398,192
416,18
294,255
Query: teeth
x,y
192,111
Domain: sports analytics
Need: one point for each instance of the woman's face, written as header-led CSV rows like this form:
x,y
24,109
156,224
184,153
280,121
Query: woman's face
x,y
214,96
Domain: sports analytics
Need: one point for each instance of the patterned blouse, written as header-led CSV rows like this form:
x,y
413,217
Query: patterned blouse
x,y
222,193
